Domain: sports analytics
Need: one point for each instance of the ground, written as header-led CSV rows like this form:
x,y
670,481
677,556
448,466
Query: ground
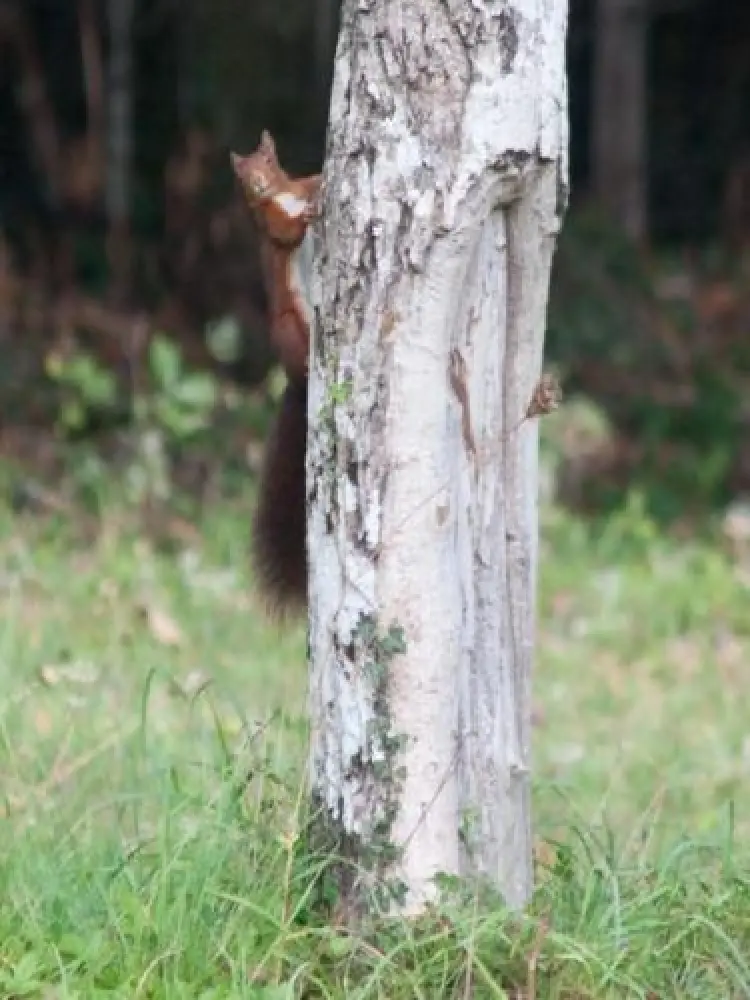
x,y
150,739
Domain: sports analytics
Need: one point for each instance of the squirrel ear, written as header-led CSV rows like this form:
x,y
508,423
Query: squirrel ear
x,y
266,143
236,160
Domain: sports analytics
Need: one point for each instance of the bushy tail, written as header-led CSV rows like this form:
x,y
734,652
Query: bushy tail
x,y
278,545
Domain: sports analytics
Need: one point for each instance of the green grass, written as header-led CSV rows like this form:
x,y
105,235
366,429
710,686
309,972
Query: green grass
x,y
150,739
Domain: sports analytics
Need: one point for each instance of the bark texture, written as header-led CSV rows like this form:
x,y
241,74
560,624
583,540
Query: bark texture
x,y
446,181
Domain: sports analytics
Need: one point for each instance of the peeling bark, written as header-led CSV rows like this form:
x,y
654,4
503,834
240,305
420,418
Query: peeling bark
x,y
446,178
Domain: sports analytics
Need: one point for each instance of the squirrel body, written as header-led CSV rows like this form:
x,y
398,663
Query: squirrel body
x,y
283,208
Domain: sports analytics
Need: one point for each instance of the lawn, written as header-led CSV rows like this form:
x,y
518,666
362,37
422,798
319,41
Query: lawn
x,y
151,734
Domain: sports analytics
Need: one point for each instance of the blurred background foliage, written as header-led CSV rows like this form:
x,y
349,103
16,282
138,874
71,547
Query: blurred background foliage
x,y
128,263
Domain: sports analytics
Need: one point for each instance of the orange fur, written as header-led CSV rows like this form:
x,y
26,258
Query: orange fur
x,y
283,208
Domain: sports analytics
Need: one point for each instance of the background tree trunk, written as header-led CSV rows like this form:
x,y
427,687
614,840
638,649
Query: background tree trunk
x,y
618,127
325,20
120,14
446,181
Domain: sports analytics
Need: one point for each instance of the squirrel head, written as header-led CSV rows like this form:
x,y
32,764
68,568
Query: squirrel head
x,y
258,172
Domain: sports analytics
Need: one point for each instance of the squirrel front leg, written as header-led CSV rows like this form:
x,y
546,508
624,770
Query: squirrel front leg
x,y
291,339
312,187
288,312
290,211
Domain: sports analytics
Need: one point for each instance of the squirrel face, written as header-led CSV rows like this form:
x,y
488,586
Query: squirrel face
x,y
258,172
258,185
253,175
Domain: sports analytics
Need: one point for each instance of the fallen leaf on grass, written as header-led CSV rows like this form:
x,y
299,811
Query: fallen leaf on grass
x,y
545,853
163,627
78,672
43,722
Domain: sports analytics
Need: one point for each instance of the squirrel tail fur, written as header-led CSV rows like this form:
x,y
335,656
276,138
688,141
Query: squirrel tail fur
x,y
279,530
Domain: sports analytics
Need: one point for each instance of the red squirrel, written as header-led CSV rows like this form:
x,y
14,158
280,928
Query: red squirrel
x,y
283,208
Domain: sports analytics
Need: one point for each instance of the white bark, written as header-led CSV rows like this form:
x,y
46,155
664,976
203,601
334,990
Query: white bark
x,y
446,182
618,133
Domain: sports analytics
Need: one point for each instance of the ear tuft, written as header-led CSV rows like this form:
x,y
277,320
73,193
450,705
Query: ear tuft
x,y
236,160
267,144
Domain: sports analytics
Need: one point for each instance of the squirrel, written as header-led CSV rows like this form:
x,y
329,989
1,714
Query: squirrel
x,y
283,208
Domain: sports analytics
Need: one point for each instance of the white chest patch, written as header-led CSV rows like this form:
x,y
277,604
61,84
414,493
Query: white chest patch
x,y
291,204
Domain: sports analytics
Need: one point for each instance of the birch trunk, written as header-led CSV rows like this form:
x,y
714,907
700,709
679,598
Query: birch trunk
x,y
446,181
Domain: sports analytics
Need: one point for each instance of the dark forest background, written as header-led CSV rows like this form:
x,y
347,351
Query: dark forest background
x,y
121,228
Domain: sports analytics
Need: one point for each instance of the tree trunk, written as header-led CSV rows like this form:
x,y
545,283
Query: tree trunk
x,y
446,180
120,15
618,135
